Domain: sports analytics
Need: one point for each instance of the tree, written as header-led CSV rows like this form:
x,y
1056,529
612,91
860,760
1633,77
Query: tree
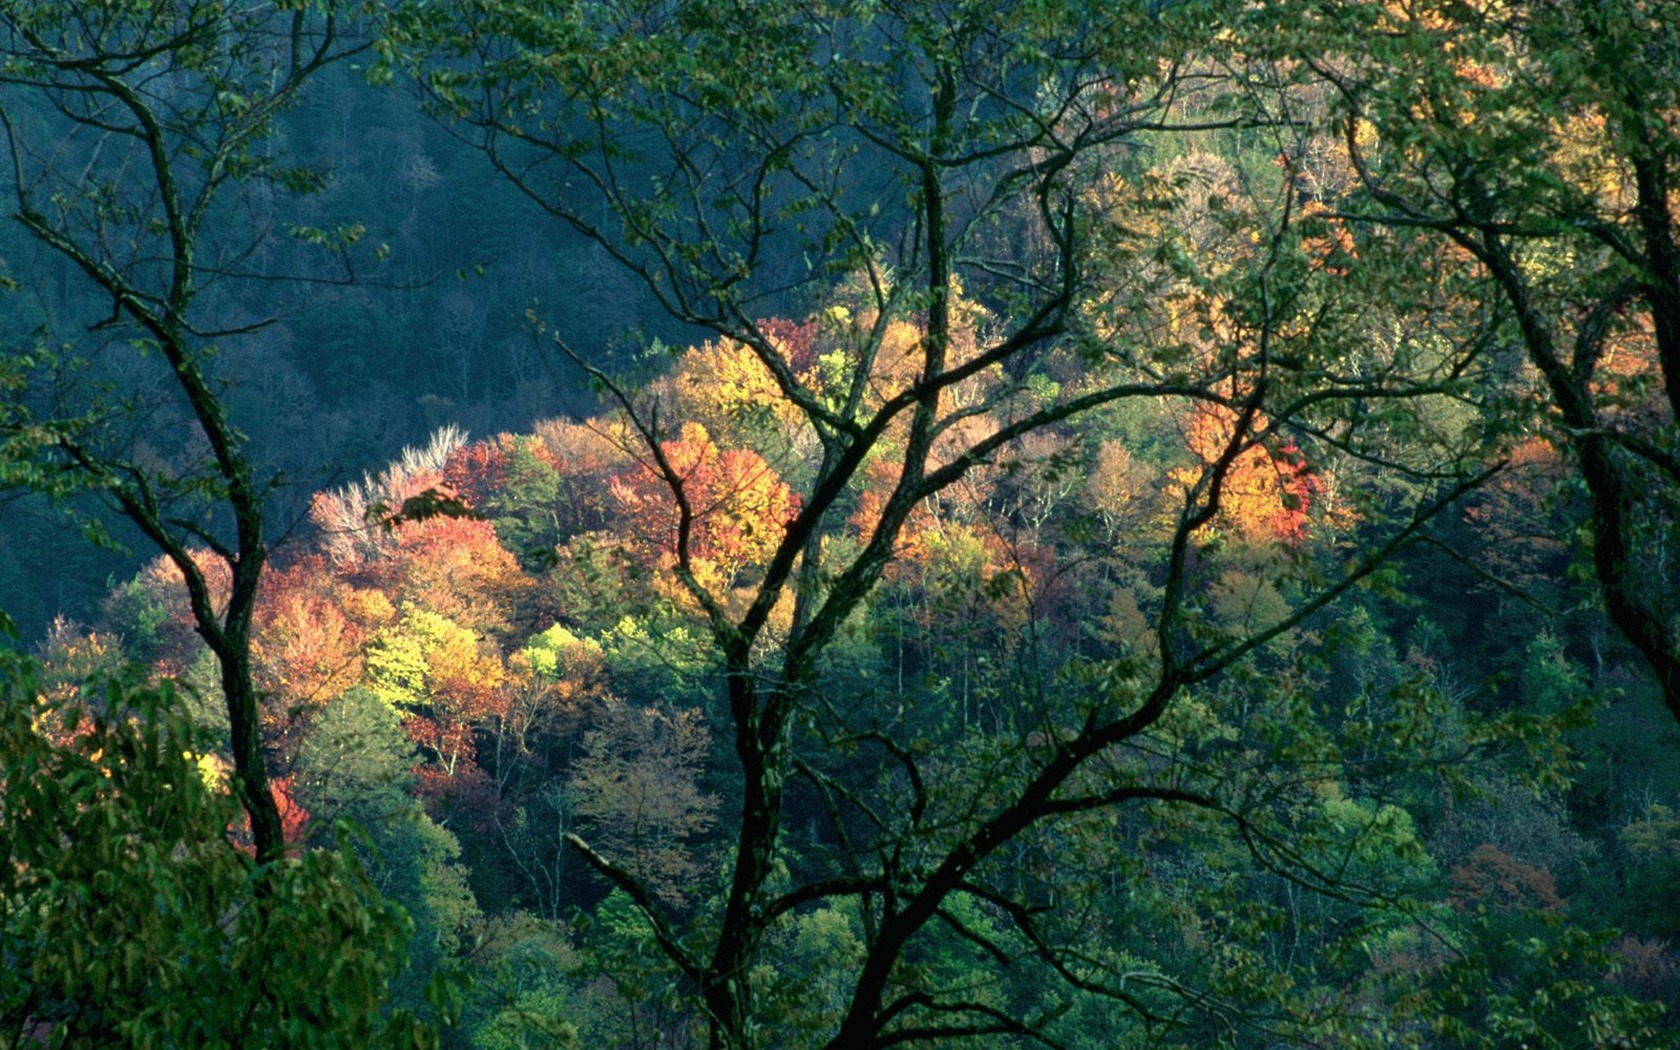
x,y
131,130
635,785
354,766
1536,143
140,151
964,191
127,917
515,483
737,508
1267,497
307,649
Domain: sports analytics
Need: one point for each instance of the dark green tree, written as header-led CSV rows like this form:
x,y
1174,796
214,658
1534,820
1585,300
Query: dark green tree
x,y
355,766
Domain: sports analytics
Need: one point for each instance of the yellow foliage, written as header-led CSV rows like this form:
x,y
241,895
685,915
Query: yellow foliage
x,y
368,607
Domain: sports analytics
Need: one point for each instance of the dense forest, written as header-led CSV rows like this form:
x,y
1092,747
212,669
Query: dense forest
x,y
858,523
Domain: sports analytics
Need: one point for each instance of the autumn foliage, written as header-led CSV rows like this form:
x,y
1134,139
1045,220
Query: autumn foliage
x,y
1265,494
720,510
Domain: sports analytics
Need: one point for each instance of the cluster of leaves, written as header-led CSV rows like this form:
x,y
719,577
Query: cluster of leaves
x,y
128,917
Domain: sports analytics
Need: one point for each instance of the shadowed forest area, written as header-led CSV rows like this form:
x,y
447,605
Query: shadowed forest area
x,y
648,524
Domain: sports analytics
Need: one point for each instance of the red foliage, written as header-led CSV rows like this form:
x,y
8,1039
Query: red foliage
x,y
305,649
465,794
480,470
476,471
796,342
294,821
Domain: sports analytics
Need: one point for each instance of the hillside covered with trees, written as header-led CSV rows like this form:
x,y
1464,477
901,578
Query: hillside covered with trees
x,y
656,524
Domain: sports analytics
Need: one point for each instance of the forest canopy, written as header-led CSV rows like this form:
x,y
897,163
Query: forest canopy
x,y
845,525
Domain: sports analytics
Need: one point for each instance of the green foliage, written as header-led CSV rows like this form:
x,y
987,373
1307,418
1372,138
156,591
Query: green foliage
x,y
524,505
621,928
651,660
355,766
1533,983
1650,898
522,998
137,615
557,652
128,918
422,506
356,762
533,1020
1550,681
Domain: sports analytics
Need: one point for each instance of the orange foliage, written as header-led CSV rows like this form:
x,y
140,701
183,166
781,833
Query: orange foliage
x,y
1266,495
458,568
898,363
1328,241
1628,379
1441,23
305,649
901,358
739,506
880,477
